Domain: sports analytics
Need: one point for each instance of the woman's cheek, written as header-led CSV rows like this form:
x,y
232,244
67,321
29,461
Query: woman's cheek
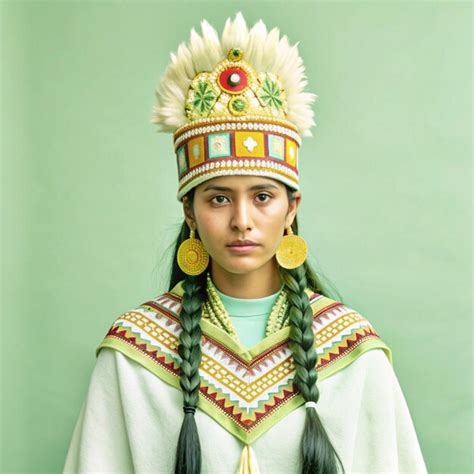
x,y
211,238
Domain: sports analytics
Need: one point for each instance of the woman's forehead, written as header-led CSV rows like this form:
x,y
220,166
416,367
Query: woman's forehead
x,y
239,183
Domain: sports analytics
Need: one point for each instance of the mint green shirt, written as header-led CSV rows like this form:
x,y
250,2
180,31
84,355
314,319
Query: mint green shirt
x,y
249,316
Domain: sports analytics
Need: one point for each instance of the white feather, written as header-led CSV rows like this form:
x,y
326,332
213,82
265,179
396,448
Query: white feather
x,y
264,50
255,51
235,34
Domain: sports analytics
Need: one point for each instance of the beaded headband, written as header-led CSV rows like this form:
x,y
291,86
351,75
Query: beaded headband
x,y
235,106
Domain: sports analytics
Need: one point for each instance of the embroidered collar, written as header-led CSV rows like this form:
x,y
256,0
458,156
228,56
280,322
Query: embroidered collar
x,y
246,390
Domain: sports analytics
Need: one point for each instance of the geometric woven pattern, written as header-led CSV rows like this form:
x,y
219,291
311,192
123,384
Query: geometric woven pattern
x,y
262,148
247,390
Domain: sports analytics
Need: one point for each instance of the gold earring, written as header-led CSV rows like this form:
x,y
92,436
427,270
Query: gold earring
x,y
292,251
192,256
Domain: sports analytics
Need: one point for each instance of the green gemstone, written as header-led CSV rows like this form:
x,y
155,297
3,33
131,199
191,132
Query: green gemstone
x,y
238,105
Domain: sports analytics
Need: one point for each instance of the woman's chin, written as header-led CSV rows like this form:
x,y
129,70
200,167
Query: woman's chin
x,y
241,265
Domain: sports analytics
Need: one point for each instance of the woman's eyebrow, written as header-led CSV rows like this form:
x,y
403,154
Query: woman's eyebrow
x,y
252,188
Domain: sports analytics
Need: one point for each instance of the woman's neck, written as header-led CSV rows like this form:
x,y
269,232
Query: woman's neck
x,y
264,281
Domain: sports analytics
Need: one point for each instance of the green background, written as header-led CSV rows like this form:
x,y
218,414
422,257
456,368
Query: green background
x,y
89,207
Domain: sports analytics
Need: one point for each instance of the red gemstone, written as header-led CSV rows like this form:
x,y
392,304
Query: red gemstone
x,y
228,84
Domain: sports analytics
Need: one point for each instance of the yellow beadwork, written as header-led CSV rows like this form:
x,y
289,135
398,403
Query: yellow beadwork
x,y
213,310
264,92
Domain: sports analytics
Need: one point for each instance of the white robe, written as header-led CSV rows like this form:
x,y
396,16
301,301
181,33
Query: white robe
x,y
130,422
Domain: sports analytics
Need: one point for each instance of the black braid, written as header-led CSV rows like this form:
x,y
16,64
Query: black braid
x,y
188,453
318,454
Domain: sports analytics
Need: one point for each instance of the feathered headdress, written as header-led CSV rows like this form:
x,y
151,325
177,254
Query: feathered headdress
x,y
235,105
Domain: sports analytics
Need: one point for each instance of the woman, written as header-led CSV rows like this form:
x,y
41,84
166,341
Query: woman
x,y
272,375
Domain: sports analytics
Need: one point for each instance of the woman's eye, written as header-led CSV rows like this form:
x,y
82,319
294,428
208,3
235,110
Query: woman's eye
x,y
263,197
219,199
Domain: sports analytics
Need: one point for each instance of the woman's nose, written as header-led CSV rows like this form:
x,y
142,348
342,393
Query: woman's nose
x,y
241,218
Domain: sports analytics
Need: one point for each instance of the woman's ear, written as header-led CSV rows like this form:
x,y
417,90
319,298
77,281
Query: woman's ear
x,y
293,207
188,213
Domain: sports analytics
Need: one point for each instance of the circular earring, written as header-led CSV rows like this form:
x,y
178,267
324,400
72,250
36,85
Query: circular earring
x,y
192,257
292,251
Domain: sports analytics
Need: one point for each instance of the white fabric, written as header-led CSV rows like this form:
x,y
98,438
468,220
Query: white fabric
x,y
131,419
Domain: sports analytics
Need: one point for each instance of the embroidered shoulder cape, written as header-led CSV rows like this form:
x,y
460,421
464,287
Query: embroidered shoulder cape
x,y
246,390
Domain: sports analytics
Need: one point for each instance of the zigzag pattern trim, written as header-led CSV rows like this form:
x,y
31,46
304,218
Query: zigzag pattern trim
x,y
246,391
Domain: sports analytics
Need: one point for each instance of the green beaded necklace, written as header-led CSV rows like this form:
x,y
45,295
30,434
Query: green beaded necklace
x,y
213,310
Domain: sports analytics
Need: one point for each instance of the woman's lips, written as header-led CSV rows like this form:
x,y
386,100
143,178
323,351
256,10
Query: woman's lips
x,y
242,248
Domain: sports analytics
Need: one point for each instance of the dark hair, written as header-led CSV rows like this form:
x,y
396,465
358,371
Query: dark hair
x,y
317,453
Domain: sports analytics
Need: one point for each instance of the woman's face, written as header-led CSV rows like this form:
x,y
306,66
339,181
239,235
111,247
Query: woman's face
x,y
241,220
